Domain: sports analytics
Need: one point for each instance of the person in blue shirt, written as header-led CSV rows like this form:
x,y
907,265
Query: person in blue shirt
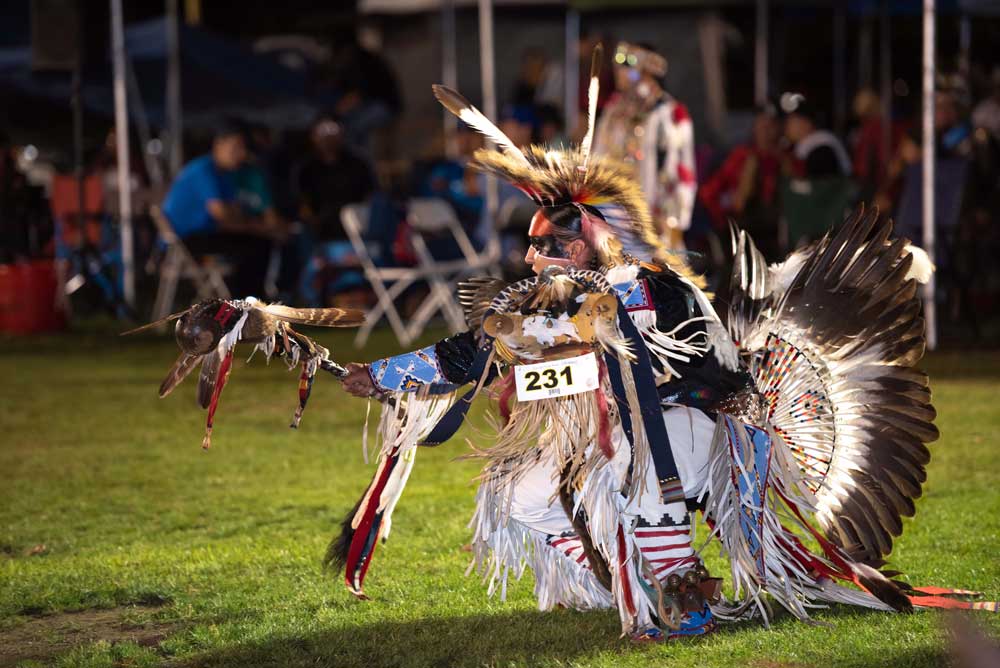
x,y
451,179
218,204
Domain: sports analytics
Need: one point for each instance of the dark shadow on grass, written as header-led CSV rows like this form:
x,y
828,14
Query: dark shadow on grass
x,y
501,639
476,640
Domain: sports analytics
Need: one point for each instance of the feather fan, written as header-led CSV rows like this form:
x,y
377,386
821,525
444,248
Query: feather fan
x,y
835,335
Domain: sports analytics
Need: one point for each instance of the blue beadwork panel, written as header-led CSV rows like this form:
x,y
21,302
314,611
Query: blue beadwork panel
x,y
407,372
634,295
751,483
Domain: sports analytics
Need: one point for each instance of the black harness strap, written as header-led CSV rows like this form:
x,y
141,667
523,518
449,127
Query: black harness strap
x,y
650,411
455,416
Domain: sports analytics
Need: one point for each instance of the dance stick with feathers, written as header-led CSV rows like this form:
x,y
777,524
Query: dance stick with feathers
x,y
208,332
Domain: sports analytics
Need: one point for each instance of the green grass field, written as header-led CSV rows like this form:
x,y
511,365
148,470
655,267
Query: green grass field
x,y
122,543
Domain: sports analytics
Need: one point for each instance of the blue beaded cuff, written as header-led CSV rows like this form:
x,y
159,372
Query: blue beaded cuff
x,y
407,372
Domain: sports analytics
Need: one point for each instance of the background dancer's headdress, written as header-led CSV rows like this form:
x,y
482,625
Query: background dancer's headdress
x,y
641,58
614,217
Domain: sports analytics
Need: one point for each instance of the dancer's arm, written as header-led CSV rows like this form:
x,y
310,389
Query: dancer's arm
x,y
446,362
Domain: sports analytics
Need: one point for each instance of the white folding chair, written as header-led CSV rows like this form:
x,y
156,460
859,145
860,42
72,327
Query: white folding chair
x,y
426,216
436,217
207,277
388,283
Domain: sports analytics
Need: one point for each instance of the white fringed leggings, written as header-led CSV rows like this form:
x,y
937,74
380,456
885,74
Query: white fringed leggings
x,y
661,532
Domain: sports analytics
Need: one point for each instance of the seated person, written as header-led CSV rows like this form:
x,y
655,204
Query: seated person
x,y
216,209
451,179
744,189
332,177
818,153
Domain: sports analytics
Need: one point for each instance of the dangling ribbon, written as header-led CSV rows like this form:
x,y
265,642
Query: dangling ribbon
x,y
305,389
220,382
367,527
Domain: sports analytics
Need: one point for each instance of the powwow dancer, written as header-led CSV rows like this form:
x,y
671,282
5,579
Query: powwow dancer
x,y
651,132
624,402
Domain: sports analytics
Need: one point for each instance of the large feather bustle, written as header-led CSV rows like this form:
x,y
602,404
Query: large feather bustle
x,y
847,310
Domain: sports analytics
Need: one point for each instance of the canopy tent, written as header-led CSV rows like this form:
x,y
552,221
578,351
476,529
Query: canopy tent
x,y
216,76
219,77
415,6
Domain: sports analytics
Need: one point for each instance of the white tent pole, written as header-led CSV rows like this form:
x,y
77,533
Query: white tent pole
x,y
760,64
930,313
449,73
487,63
121,135
488,75
175,120
571,67
152,163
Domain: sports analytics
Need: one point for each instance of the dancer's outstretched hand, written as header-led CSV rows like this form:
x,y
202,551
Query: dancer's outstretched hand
x,y
358,381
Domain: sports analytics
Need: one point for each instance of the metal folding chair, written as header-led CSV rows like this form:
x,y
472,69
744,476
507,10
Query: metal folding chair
x,y
207,277
429,216
388,283
437,218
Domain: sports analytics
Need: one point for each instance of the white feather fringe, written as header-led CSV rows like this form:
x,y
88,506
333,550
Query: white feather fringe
x,y
503,547
784,578
921,268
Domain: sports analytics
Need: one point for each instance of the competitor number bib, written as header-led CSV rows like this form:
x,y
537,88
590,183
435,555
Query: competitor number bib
x,y
561,378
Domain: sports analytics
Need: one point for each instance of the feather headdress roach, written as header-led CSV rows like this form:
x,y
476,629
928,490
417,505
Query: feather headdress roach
x,y
615,219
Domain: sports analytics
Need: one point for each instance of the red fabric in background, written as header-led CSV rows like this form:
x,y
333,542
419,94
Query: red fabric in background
x,y
726,180
28,298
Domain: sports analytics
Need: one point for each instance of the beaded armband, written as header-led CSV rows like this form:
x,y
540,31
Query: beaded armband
x,y
407,372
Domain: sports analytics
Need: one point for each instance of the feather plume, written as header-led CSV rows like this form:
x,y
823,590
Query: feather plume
x,y
475,295
320,317
156,323
209,377
922,268
178,372
454,102
837,332
592,94
552,178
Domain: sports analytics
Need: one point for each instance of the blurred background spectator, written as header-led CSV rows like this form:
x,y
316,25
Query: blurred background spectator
x,y
453,179
331,177
220,204
818,152
745,188
369,97
278,193
648,128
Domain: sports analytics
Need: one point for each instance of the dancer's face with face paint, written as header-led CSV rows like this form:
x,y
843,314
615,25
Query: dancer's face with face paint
x,y
552,247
